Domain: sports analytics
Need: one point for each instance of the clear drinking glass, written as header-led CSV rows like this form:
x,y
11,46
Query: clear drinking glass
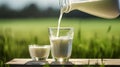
x,y
61,45
38,52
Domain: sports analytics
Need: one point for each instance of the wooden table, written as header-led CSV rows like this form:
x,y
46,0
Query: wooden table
x,y
19,62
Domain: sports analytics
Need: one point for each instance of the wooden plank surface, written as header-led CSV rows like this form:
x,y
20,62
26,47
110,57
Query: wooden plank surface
x,y
19,61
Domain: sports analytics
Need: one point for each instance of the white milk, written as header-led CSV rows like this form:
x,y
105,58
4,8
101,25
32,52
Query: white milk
x,y
59,21
61,47
39,52
100,8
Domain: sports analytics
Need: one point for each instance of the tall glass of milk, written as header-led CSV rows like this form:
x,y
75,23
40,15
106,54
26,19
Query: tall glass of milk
x,y
61,43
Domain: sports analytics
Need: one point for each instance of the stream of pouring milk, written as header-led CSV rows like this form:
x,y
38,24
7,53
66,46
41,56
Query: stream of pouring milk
x,y
59,21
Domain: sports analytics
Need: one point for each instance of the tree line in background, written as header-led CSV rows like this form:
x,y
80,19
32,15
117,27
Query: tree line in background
x,y
33,12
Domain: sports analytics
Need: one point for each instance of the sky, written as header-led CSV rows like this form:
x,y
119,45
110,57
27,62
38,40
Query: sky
x,y
42,4
20,4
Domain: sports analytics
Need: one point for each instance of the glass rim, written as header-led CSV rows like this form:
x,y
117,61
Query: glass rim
x,y
61,28
39,46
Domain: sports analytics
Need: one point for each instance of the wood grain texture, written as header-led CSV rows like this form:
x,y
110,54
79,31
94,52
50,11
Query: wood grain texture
x,y
22,61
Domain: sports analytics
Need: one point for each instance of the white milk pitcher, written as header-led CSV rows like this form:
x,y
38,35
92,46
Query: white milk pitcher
x,y
102,8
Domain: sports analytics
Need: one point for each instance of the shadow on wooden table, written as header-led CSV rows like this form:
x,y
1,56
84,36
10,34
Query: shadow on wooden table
x,y
36,63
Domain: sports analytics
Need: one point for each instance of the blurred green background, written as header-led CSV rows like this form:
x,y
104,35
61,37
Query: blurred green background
x,y
93,37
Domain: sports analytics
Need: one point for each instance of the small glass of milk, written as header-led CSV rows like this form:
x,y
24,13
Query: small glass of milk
x,y
38,52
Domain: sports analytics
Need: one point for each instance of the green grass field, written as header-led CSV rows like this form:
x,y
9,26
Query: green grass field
x,y
93,38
